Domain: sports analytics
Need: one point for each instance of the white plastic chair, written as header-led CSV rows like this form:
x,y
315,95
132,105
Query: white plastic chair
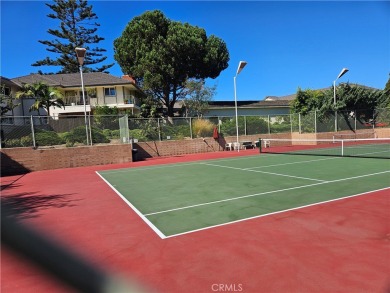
x,y
228,146
237,145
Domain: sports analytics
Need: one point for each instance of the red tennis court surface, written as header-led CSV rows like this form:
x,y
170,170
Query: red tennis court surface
x,y
342,246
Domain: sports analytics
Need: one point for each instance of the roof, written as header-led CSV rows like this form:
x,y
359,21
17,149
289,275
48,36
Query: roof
x,y
6,81
250,104
292,96
280,98
73,79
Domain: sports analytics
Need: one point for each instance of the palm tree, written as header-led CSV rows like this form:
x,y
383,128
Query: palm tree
x,y
44,95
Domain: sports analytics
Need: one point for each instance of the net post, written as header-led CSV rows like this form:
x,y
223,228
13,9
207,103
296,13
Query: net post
x,y
342,147
260,145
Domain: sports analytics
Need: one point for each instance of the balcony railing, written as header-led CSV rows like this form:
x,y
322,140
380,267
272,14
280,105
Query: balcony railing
x,y
75,100
130,99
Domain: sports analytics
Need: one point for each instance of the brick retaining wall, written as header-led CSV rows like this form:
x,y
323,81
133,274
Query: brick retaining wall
x,y
22,160
192,146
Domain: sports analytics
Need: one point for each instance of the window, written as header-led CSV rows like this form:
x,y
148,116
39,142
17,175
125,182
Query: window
x,y
109,91
6,91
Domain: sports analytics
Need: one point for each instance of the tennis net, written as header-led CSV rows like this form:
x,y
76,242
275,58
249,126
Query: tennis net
x,y
369,148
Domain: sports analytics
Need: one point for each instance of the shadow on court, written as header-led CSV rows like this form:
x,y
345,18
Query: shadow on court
x,y
28,205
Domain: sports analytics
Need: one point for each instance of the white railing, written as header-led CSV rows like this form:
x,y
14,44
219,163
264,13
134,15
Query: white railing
x,y
75,100
130,99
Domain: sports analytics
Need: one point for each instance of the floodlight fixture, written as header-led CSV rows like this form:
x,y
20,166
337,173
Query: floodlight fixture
x,y
81,52
241,66
342,72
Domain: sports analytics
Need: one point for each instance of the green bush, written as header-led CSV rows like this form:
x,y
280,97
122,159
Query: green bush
x,y
98,136
12,143
228,126
115,133
78,134
176,131
111,134
26,141
45,138
138,134
256,125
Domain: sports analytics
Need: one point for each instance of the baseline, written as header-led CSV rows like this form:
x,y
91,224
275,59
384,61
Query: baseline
x,y
150,224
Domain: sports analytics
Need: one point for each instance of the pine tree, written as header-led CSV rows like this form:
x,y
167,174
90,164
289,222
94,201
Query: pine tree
x,y
77,29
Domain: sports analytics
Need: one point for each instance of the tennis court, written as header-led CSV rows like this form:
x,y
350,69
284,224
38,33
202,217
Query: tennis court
x,y
181,198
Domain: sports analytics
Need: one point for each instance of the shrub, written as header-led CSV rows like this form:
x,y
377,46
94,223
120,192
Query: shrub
x,y
111,134
12,143
44,138
26,141
138,134
98,136
115,133
202,127
78,134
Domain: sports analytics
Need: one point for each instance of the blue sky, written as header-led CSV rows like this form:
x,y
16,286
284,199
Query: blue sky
x,y
286,44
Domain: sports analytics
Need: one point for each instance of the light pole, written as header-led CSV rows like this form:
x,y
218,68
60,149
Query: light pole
x,y
80,52
343,71
241,66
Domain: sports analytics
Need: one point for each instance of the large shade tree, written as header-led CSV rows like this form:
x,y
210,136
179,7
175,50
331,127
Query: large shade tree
x,y
77,28
163,55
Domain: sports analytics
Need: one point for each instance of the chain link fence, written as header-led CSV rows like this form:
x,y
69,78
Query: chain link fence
x,y
40,131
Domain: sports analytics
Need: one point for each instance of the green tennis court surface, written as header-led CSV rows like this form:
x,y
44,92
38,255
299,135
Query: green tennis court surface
x,y
187,197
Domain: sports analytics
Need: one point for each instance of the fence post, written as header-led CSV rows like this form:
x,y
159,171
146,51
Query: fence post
x,y
191,127
269,126
32,132
315,121
90,129
291,122
299,123
159,130
245,126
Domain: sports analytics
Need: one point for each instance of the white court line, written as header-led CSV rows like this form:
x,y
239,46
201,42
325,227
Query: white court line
x,y
293,163
154,228
273,213
147,168
263,193
257,171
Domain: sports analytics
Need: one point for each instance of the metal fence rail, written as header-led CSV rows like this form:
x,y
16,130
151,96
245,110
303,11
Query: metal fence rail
x,y
38,131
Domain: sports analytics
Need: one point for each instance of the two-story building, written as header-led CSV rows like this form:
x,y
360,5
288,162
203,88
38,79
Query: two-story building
x,y
100,89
